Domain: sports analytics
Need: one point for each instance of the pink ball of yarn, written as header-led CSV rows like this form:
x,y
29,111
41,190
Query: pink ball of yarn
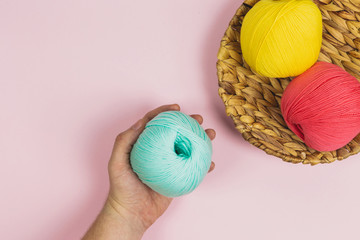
x,y
322,106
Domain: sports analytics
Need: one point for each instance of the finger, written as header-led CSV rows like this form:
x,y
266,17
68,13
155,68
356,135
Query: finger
x,y
150,115
212,166
198,118
125,140
211,133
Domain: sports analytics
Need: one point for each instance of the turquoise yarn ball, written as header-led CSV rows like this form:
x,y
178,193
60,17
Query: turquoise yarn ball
x,y
172,155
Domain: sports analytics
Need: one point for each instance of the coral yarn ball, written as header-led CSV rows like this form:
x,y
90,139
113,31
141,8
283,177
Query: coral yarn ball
x,y
281,38
322,107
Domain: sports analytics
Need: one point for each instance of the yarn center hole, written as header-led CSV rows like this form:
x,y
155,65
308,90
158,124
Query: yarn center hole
x,y
182,146
299,130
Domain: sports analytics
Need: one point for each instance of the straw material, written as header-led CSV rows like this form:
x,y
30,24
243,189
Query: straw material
x,y
253,101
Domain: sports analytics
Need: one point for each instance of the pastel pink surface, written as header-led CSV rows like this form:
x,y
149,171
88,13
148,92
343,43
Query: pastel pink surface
x,y
75,73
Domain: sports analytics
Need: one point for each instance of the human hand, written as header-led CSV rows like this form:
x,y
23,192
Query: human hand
x,y
130,201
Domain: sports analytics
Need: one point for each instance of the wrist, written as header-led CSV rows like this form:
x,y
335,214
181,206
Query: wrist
x,y
113,223
124,218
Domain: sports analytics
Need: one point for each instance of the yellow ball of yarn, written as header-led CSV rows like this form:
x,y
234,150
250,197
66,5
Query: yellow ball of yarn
x,y
281,38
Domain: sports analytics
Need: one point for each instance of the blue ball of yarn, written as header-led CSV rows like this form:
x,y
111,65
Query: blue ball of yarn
x,y
172,155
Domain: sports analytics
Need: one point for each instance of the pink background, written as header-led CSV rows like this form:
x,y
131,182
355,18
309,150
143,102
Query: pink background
x,y
74,73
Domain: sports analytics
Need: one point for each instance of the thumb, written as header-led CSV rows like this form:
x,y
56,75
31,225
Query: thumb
x,y
125,141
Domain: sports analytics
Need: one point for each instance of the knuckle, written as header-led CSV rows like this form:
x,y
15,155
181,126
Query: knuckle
x,y
119,138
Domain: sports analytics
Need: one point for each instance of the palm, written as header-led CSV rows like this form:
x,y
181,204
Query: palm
x,y
136,197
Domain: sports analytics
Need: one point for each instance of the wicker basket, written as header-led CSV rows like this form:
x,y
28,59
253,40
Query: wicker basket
x,y
253,101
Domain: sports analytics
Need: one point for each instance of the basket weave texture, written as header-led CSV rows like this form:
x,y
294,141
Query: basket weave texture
x,y
253,101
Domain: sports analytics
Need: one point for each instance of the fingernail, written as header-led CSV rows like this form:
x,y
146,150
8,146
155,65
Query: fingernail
x,y
175,106
137,125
